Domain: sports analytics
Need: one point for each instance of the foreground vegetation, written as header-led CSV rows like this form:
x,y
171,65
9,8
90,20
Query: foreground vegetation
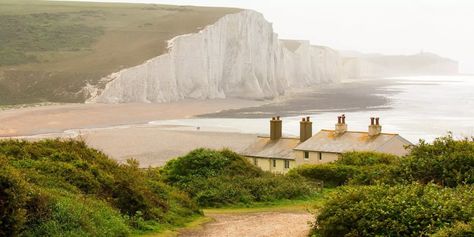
x,y
429,192
64,188
58,188
222,178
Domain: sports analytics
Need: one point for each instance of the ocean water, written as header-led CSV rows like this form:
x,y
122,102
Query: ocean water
x,y
419,108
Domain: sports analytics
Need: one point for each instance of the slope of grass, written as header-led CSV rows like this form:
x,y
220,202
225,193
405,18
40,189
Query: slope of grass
x,y
49,50
64,188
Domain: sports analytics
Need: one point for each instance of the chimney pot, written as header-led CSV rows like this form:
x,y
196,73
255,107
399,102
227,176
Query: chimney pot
x,y
278,117
307,118
341,127
374,129
343,118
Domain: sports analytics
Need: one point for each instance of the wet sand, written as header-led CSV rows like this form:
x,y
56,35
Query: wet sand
x,y
348,96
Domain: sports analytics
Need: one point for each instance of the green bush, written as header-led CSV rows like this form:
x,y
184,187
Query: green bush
x,y
330,174
203,163
219,178
76,190
77,216
367,159
459,229
401,210
13,198
373,174
446,161
361,168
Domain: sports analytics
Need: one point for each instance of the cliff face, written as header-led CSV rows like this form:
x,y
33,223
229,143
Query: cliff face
x,y
238,56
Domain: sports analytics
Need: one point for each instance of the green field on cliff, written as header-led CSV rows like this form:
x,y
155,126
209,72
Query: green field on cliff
x,y
50,50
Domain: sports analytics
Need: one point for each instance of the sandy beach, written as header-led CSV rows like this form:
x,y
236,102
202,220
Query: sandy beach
x,y
153,146
59,118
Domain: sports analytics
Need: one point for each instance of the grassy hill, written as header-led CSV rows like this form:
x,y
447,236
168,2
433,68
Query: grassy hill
x,y
64,188
50,50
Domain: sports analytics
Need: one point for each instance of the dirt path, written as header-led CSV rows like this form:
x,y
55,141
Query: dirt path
x,y
268,224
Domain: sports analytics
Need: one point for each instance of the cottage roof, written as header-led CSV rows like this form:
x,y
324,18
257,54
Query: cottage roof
x,y
277,149
328,141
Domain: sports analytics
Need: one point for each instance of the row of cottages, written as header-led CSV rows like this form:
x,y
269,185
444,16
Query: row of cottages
x,y
279,154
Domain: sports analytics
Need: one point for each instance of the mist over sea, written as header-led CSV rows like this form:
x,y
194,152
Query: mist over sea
x,y
422,107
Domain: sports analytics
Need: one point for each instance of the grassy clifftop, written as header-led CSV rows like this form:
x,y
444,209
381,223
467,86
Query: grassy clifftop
x,y
50,50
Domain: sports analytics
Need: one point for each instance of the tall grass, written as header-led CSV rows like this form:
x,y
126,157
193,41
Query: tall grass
x,y
64,188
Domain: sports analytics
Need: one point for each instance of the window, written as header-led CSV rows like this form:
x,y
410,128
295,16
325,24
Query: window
x,y
306,155
274,163
320,155
255,161
287,164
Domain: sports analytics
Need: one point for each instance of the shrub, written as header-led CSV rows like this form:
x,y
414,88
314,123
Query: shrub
x,y
353,168
329,174
203,163
446,161
459,229
401,210
219,178
367,159
78,216
373,174
13,198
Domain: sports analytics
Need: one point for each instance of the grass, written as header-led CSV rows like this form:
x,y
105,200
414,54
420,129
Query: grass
x,y
50,50
174,231
62,187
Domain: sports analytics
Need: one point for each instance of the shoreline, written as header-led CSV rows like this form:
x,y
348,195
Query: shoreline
x,y
346,96
51,119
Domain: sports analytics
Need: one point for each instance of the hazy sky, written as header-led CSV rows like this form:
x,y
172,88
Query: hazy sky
x,y
444,27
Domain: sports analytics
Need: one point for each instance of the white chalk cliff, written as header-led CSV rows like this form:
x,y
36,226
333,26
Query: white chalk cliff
x,y
238,56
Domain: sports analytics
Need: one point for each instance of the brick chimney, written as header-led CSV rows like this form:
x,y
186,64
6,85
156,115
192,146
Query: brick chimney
x,y
374,128
275,128
341,126
306,129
